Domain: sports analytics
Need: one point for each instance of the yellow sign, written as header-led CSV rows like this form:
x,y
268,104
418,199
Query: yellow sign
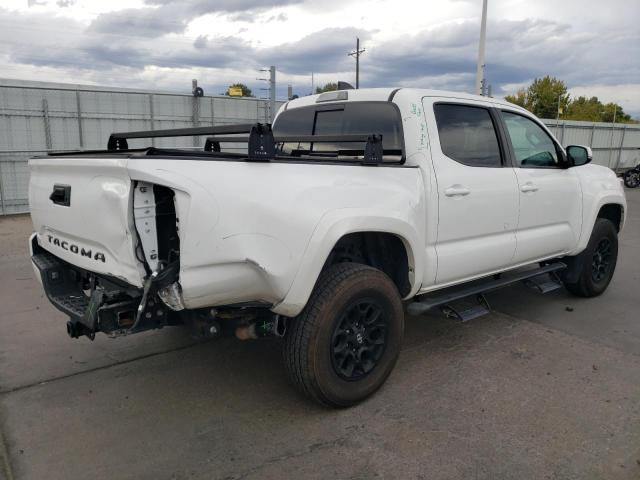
x,y
235,91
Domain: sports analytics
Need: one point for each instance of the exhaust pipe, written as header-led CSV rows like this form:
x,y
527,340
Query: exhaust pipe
x,y
274,327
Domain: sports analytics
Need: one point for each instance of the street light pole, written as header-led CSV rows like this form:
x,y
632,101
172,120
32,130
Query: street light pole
x,y
483,37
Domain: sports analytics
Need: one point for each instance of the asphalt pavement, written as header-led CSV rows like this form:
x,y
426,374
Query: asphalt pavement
x,y
545,387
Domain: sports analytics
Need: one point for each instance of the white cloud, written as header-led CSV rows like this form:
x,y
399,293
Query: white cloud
x,y
162,44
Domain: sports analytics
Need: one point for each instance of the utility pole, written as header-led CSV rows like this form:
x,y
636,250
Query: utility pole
x,y
480,81
357,55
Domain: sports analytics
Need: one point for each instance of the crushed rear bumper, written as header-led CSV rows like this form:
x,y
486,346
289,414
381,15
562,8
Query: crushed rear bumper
x,y
98,303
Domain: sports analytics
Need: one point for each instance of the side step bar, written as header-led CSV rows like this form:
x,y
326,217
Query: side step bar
x,y
479,287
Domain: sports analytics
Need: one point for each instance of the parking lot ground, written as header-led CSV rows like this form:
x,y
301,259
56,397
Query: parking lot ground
x,y
544,387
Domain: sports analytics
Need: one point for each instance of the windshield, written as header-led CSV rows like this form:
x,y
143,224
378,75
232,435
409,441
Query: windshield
x,y
341,119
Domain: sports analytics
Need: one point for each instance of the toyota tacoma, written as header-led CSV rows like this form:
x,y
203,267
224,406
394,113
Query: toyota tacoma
x,y
352,208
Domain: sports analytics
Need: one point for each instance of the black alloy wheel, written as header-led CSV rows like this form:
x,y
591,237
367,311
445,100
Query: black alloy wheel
x,y
359,339
601,261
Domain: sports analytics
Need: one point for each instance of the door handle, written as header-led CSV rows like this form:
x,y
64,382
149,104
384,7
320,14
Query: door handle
x,y
457,191
528,187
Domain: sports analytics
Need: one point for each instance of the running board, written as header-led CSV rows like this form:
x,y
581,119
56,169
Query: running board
x,y
544,283
451,294
467,308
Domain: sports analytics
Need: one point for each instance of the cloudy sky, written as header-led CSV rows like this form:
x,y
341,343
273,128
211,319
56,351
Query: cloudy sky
x,y
593,45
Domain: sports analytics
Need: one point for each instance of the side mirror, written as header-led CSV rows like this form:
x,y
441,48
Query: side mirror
x,y
579,155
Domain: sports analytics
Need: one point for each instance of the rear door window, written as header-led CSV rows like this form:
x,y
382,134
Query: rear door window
x,y
468,135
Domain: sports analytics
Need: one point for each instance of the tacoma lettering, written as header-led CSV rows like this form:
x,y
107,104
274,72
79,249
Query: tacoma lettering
x,y
73,248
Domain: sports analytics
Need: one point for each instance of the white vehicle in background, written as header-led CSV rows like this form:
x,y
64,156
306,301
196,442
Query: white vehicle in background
x,y
356,201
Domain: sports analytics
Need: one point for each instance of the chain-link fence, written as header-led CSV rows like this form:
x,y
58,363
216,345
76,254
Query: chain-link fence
x,y
36,118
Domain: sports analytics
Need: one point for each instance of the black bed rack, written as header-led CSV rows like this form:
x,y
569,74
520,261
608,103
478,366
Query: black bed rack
x,y
261,142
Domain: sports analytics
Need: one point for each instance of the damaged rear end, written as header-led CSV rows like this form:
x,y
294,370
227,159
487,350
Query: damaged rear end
x,y
97,249
128,240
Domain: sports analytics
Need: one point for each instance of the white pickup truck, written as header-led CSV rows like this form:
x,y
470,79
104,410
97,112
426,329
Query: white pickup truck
x,y
355,202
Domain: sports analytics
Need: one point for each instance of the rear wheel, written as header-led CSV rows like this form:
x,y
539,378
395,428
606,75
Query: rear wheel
x,y
346,341
598,261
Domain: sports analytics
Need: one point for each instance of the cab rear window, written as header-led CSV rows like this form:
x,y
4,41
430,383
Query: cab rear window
x,y
342,119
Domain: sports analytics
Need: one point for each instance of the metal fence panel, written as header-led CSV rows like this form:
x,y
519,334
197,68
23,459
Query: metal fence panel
x,y
614,145
14,181
37,117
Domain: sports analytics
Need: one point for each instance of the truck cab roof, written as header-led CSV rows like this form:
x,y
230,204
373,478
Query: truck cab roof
x,y
385,94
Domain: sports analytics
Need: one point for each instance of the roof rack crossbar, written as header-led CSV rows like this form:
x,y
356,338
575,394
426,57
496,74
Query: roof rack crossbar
x,y
373,151
347,138
261,144
354,138
118,141
184,132
261,140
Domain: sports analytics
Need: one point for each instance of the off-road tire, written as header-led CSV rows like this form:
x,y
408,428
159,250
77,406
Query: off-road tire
x,y
587,284
308,347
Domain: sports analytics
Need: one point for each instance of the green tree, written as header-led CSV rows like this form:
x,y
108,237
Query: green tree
x,y
612,111
543,97
520,98
593,110
246,91
586,109
546,95
328,87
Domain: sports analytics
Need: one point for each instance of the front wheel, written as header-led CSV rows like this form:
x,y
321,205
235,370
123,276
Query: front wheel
x,y
597,262
346,341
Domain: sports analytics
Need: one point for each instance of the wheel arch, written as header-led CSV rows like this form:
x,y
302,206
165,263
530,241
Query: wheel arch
x,y
333,233
387,252
613,212
609,205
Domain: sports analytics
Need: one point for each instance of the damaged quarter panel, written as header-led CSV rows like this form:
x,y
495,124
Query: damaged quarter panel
x,y
245,227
